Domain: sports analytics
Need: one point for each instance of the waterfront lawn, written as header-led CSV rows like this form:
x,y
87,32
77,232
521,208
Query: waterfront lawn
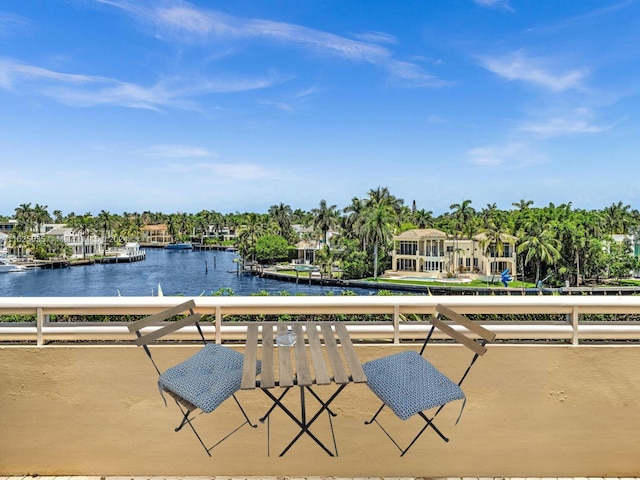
x,y
473,283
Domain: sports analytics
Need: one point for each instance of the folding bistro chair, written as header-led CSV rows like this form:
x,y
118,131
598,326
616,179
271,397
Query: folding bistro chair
x,y
409,385
201,382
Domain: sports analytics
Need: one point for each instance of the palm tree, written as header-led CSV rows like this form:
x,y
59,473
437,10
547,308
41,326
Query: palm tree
x,y
462,212
493,243
618,218
353,219
423,218
249,233
40,216
382,195
85,226
25,218
461,216
523,204
540,245
378,228
325,218
105,222
282,214
470,230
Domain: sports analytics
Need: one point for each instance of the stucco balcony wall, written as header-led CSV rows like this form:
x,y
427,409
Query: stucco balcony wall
x,y
532,411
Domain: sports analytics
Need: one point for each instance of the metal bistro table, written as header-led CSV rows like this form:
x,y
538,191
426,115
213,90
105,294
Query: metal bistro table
x,y
308,350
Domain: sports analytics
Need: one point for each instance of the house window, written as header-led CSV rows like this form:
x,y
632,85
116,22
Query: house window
x,y
432,267
407,248
406,265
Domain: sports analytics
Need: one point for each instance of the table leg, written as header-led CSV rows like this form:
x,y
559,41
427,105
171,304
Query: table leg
x,y
304,424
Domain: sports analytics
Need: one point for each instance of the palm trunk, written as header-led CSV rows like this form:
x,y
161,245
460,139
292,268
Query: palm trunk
x,y
375,260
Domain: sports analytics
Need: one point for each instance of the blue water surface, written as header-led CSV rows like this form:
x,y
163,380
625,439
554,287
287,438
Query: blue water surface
x,y
190,273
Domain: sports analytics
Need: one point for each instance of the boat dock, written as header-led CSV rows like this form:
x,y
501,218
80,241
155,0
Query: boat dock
x,y
138,257
59,263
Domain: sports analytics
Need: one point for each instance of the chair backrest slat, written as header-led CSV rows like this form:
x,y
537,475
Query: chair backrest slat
x,y
169,328
465,322
161,316
458,336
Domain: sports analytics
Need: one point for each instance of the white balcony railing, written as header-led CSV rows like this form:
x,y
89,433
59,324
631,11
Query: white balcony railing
x,y
571,329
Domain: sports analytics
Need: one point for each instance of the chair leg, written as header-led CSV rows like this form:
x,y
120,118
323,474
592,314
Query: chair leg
x,y
244,413
373,419
428,423
188,421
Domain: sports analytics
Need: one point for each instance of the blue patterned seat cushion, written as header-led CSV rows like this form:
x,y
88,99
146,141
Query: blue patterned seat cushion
x,y
409,384
207,378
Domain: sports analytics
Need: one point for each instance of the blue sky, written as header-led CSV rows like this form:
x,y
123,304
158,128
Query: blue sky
x,y
179,106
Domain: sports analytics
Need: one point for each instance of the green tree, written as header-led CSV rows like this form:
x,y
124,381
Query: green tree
x,y
40,216
249,233
377,228
541,246
272,248
325,218
105,222
85,226
281,214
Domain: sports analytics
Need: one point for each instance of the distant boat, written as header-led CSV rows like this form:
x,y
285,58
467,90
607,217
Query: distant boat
x,y
179,246
6,267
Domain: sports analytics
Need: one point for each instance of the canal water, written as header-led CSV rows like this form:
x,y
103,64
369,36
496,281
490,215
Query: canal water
x,y
189,273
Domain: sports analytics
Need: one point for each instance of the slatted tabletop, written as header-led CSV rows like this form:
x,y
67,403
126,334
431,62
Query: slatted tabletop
x,y
323,354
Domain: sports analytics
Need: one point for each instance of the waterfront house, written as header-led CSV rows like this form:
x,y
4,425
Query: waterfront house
x,y
156,235
81,246
307,251
8,227
434,253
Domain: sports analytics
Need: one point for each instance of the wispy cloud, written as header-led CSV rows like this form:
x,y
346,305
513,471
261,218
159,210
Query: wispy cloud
x,y
175,151
514,155
376,37
577,122
188,23
498,4
11,23
519,67
88,90
223,170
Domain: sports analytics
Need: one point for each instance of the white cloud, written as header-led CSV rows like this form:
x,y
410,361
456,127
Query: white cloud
x,y
223,170
11,23
513,155
436,119
502,4
517,66
191,24
87,90
376,37
576,122
176,151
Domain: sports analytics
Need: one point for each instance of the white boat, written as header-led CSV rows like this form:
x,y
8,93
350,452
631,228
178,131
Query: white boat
x,y
6,267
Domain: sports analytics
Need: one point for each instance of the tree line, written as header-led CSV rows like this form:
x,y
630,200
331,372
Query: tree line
x,y
562,244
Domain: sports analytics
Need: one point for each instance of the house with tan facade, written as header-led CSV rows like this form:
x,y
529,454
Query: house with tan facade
x,y
433,253
156,235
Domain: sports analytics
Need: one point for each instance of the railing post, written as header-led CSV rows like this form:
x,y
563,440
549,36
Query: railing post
x,y
396,324
218,324
39,325
574,325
